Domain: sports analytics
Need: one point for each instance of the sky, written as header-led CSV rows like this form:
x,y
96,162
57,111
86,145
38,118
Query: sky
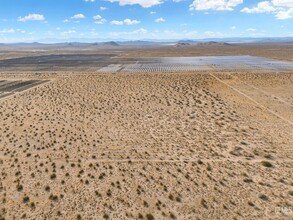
x,y
103,20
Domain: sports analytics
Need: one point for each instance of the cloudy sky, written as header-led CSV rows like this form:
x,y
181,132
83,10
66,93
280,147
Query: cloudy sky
x,y
34,20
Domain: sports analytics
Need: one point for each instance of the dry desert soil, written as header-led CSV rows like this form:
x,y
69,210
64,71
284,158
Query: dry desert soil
x,y
188,145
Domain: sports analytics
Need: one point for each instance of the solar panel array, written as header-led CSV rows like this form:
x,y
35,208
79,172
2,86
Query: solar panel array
x,y
178,64
10,87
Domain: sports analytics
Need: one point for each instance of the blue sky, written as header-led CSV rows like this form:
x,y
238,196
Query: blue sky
x,y
91,20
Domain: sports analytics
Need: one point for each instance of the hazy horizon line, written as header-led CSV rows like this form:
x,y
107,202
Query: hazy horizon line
x,y
105,40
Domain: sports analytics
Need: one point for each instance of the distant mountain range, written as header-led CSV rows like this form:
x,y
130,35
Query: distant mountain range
x,y
48,43
59,45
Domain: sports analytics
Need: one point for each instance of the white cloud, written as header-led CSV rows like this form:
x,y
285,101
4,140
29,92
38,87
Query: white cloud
x,y
114,22
261,7
285,14
32,17
125,21
233,27
143,3
153,12
283,9
66,21
103,8
78,16
130,22
251,29
139,32
102,21
89,0
160,20
283,3
218,5
97,17
18,30
99,20
7,31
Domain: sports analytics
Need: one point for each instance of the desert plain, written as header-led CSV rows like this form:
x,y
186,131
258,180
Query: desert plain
x,y
181,145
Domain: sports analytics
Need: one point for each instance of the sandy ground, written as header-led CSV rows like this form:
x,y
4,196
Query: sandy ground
x,y
198,145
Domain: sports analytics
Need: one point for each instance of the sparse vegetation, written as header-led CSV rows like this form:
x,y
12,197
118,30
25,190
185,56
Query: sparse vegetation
x,y
142,146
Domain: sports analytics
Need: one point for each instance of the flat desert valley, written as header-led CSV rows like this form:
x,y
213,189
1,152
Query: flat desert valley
x,y
76,143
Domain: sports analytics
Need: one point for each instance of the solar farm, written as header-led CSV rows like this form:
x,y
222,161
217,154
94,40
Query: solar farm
x,y
202,63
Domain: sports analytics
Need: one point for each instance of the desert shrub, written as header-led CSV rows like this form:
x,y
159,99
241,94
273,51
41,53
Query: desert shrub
x,y
268,156
53,197
203,203
209,168
26,199
33,205
172,216
199,162
150,217
247,180
145,204
263,197
109,193
53,176
98,194
267,164
250,203
19,187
